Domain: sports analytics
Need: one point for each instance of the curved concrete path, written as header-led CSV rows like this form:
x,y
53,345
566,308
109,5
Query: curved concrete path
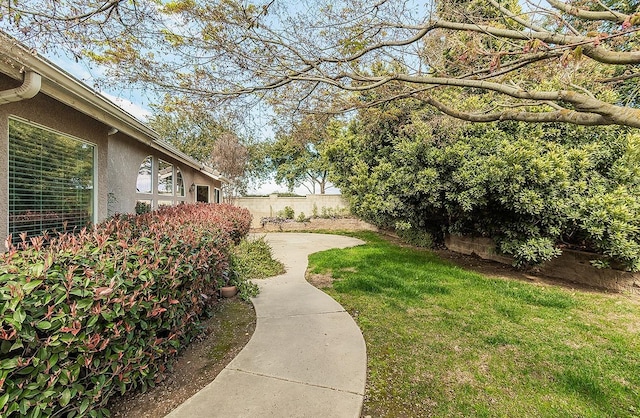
x,y
306,358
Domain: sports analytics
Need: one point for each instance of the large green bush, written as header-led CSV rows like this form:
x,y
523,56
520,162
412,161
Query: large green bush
x,y
84,316
534,188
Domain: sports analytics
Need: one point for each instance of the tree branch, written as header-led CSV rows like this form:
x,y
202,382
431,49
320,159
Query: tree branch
x,y
618,78
594,52
565,115
609,15
107,6
518,19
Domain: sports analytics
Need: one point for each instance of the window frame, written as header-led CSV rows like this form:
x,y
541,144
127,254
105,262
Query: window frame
x,y
179,194
172,192
150,192
208,192
95,181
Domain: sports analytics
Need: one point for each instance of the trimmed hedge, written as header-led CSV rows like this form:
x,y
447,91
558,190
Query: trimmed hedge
x,y
86,315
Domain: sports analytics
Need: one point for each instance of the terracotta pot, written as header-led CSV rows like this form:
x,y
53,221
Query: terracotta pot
x,y
228,291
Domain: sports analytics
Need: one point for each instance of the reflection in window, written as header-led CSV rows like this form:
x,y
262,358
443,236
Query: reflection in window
x,y
143,206
165,203
143,184
179,183
165,178
216,196
51,180
202,194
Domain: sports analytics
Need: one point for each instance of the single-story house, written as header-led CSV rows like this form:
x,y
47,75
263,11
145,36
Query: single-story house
x,y
70,157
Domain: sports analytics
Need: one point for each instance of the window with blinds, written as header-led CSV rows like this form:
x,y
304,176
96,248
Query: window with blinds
x,y
51,181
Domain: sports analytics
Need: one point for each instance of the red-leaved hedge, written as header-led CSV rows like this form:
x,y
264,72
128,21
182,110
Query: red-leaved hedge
x,y
103,311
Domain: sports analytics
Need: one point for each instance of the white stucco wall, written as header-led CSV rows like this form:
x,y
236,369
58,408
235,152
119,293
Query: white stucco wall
x,y
261,207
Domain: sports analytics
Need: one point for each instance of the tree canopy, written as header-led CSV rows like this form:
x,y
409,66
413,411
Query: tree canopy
x,y
296,154
576,62
191,129
534,188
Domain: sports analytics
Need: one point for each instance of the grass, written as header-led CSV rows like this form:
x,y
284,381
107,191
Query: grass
x,y
444,341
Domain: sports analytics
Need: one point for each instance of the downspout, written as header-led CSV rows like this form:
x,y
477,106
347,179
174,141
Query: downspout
x,y
29,88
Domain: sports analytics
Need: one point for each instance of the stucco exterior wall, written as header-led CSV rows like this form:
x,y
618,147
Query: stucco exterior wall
x,y
118,156
49,113
261,207
125,156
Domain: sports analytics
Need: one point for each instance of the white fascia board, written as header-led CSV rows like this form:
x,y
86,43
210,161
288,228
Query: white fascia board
x,y
209,174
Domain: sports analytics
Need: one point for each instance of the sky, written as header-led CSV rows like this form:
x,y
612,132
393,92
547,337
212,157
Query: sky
x,y
130,100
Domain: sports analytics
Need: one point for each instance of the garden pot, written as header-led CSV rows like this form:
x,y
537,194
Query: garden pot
x,y
228,291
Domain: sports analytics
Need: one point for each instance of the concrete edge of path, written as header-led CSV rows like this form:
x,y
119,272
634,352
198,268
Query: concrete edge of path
x,y
307,356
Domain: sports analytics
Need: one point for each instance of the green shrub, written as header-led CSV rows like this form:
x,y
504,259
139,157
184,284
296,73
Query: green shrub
x,y
531,251
252,259
85,316
333,213
611,221
535,188
288,212
142,207
302,217
417,237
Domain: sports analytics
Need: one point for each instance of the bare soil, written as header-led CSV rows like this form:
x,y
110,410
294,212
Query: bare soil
x,y
224,335
495,269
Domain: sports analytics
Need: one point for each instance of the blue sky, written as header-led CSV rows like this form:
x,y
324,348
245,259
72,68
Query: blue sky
x,y
130,100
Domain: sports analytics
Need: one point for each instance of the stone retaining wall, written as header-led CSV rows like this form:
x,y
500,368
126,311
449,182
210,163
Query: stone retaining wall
x,y
573,266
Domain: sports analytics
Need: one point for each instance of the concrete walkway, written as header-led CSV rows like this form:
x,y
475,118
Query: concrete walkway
x,y
307,357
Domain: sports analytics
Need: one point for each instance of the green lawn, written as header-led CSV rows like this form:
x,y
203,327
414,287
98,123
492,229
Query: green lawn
x,y
444,341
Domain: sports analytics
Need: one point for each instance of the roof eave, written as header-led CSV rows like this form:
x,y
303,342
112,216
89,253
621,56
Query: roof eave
x,y
62,86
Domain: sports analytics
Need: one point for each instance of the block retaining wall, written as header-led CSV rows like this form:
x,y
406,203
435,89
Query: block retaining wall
x,y
571,265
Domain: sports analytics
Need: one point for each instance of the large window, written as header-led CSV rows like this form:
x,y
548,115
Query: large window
x,y
167,182
165,178
179,183
51,180
145,179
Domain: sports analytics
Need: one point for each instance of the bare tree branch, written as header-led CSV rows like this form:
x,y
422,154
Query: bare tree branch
x,y
618,78
594,52
565,115
610,15
338,56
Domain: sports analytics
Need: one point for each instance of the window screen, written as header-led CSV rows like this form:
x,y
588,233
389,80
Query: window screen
x,y
51,181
